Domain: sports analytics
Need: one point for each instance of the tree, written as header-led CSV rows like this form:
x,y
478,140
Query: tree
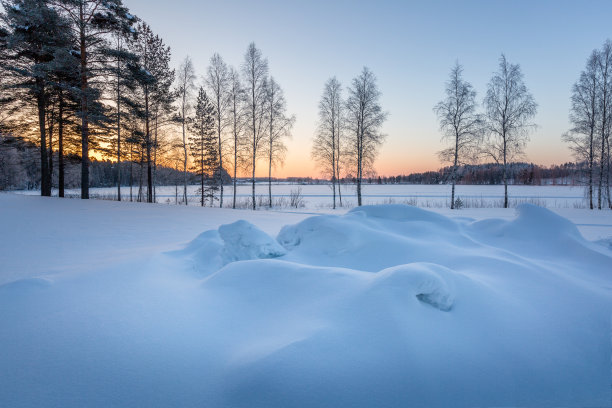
x,y
185,86
153,75
326,145
64,78
509,108
92,22
237,123
255,71
604,74
459,122
217,79
37,33
278,126
122,59
203,144
584,116
365,117
162,98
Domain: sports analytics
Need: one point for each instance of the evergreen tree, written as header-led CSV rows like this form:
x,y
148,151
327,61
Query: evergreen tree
x,y
204,147
93,21
36,33
154,77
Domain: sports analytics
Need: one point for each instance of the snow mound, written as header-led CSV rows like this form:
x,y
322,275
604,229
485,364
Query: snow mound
x,y
421,280
245,241
401,212
532,223
367,239
25,285
238,241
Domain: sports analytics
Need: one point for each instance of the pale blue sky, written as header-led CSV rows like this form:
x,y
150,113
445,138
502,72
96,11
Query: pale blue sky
x,y
410,46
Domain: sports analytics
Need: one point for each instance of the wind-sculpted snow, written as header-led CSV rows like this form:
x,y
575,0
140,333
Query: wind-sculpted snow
x,y
238,241
384,306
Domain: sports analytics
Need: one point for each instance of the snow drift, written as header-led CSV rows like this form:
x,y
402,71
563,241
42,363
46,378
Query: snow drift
x,y
388,306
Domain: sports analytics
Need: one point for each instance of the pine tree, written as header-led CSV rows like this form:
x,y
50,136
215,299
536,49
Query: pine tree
x,y
204,147
36,33
153,76
92,23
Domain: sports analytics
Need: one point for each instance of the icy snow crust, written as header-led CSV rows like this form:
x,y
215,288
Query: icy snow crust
x,y
385,306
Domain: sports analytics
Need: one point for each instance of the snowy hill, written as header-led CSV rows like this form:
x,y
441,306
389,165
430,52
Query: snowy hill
x,y
115,304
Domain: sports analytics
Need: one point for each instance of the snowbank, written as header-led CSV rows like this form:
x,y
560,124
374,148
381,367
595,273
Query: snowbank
x,y
388,306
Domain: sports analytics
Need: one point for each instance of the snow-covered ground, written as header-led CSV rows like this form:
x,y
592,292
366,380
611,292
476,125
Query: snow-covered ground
x,y
126,304
429,196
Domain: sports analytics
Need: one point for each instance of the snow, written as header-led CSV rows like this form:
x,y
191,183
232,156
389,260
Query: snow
x,y
124,304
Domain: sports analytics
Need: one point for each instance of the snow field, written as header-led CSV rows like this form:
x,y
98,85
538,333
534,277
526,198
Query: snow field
x,y
387,305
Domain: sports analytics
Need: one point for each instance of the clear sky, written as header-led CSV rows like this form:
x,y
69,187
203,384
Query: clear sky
x,y
410,46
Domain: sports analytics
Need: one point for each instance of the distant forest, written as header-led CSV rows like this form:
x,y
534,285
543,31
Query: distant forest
x,y
20,170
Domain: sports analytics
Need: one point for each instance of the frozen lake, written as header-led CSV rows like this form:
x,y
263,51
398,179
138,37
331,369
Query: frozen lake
x,y
320,196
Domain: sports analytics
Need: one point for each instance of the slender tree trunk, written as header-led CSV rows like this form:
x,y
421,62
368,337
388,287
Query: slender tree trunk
x,y
60,135
184,150
253,180
591,158
601,172
338,172
505,176
254,145
131,172
359,163
202,201
334,165
84,110
155,161
140,174
148,140
270,156
270,180
235,157
51,128
608,171
454,174
220,175
118,121
45,190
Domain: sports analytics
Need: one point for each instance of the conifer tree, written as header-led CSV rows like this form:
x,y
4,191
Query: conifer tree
x,y
204,147
92,22
36,34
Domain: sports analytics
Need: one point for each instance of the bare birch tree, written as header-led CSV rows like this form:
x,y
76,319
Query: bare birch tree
x,y
459,122
278,126
604,74
326,144
185,86
217,80
365,117
236,123
584,116
255,71
509,109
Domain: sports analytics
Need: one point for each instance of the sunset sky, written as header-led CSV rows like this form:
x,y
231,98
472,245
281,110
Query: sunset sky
x,y
410,46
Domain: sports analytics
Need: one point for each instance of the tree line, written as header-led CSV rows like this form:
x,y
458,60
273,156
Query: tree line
x,y
87,76
20,169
